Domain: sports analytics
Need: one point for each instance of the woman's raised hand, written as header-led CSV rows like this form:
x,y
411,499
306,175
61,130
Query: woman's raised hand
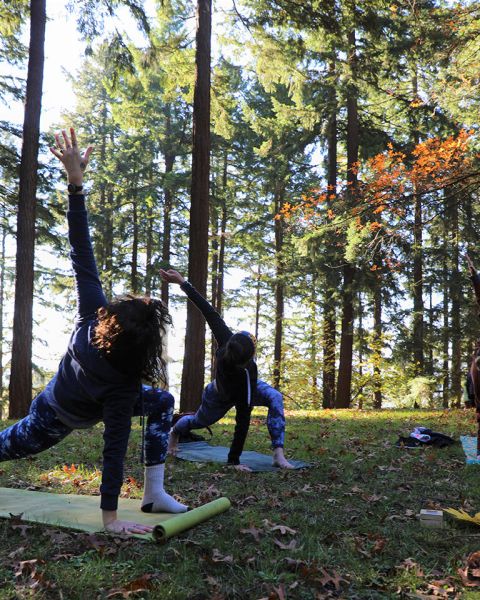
x,y
172,276
69,155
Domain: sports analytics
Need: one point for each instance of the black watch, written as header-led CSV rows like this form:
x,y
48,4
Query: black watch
x,y
73,188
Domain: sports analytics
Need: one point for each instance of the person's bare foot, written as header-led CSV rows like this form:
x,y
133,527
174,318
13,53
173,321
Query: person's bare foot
x,y
279,460
172,443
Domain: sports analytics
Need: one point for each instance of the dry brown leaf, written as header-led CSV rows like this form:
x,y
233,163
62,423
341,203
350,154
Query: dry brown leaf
x,y
334,579
217,557
292,545
253,531
283,529
141,584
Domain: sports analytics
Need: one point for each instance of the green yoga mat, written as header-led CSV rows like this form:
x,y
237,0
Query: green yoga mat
x,y
83,512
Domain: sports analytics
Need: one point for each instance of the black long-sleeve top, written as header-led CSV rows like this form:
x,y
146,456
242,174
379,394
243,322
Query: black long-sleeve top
x,y
232,383
87,389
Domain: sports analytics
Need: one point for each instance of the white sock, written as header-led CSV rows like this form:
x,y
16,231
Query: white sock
x,y
155,498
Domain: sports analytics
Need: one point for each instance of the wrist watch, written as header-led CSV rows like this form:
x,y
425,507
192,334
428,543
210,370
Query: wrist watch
x,y
73,188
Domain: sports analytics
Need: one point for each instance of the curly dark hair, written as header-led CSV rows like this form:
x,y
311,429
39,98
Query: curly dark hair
x,y
130,332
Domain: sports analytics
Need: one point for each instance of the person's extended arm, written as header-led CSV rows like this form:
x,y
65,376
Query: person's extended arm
x,y
219,329
90,295
117,415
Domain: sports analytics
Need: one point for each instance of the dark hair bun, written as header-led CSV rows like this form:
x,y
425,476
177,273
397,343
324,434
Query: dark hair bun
x,y
239,350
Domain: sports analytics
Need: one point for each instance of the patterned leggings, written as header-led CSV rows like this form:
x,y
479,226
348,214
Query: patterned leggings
x,y
41,429
213,408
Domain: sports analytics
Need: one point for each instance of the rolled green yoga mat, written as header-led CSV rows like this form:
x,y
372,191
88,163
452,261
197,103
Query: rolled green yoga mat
x,y
184,521
83,512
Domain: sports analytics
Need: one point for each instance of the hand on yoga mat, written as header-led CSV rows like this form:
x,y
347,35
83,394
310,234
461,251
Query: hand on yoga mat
x,y
118,526
111,523
243,468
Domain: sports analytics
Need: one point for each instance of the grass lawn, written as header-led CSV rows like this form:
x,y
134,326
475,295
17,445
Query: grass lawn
x,y
345,528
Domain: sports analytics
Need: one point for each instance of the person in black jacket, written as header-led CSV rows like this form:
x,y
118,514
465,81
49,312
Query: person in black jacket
x,y
236,385
113,347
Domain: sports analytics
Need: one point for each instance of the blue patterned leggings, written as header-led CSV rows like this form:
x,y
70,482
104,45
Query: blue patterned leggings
x,y
213,408
41,429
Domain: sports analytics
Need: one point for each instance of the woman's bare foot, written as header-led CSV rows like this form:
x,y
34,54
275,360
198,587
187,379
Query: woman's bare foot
x,y
172,443
279,459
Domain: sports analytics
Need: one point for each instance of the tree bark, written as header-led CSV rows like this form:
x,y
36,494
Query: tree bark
x,y
456,302
2,298
258,300
194,357
135,242
167,224
329,311
313,341
446,327
344,381
20,391
279,290
417,287
377,328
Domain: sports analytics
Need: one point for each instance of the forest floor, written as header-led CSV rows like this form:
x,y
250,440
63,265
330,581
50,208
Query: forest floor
x,y
345,528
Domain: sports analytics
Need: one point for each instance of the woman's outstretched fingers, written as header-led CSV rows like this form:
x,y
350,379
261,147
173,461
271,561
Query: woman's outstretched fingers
x,y
86,157
73,137
66,139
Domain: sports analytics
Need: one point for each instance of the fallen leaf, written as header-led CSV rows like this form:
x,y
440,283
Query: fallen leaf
x,y
217,557
283,529
254,532
334,579
292,545
142,584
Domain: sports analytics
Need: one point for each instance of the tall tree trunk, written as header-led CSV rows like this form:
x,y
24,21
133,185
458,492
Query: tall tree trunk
x,y
149,246
20,391
258,300
456,302
221,256
135,243
167,223
429,368
218,260
446,326
194,357
377,328
418,305
329,350
329,334
417,287
313,340
2,296
279,289
107,281
214,218
169,159
344,382
361,343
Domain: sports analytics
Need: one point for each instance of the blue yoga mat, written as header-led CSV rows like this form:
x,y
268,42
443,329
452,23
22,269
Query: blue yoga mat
x,y
469,444
203,452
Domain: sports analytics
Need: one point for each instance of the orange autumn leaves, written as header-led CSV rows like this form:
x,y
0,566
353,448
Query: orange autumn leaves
x,y
433,165
391,176
382,199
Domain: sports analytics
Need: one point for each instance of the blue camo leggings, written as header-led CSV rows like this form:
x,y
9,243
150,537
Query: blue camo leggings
x,y
41,429
212,409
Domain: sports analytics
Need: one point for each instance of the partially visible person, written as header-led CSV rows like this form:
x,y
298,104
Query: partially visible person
x,y
236,385
114,346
